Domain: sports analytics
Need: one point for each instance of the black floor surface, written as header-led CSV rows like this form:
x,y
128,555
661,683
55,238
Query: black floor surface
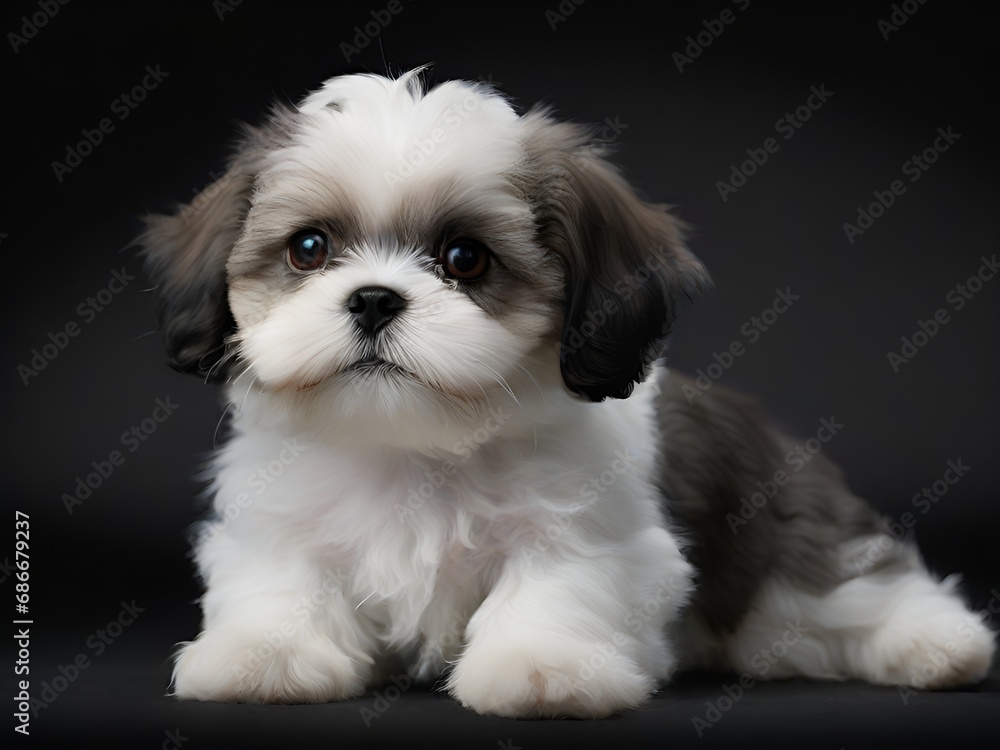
x,y
119,700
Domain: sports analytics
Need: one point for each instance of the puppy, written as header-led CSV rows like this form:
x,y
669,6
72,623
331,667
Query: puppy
x,y
452,452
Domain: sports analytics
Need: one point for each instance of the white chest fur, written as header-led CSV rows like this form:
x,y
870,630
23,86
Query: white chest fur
x,y
413,541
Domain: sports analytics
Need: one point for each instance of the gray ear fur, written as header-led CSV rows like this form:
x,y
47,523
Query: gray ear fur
x,y
625,259
186,255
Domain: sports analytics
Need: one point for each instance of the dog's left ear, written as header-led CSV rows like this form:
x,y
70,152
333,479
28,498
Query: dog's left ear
x,y
186,254
625,259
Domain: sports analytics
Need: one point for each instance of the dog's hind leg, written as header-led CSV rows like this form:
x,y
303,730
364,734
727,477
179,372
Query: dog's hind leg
x,y
794,573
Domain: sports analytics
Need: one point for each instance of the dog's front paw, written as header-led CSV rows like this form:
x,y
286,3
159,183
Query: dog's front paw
x,y
548,678
237,666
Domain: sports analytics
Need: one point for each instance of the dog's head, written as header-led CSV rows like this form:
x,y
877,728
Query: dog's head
x,y
385,243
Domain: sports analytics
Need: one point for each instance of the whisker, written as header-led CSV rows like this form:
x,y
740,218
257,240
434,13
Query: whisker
x,y
501,381
234,381
530,376
228,353
247,394
215,435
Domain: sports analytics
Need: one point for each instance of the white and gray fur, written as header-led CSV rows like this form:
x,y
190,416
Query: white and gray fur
x,y
533,595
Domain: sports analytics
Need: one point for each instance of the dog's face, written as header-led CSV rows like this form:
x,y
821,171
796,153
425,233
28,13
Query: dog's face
x,y
396,249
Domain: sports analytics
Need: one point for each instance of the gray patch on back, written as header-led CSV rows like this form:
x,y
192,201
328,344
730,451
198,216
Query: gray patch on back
x,y
715,450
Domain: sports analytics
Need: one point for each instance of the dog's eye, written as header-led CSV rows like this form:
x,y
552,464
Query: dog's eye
x,y
308,250
465,259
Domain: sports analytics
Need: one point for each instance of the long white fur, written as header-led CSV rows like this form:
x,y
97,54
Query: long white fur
x,y
539,566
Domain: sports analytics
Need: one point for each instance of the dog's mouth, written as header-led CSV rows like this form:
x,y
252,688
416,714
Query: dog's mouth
x,y
375,367
375,371
366,368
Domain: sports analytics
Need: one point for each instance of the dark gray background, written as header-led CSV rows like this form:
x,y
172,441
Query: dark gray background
x,y
824,357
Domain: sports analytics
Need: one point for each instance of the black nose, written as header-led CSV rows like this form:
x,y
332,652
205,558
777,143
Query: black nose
x,y
374,306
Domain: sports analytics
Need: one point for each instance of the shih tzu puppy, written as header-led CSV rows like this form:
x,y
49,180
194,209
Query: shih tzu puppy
x,y
453,454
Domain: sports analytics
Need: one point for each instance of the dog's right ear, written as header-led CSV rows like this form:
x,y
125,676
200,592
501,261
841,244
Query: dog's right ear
x,y
626,264
186,255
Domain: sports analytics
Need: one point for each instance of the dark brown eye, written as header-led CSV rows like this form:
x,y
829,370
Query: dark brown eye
x,y
308,250
465,259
